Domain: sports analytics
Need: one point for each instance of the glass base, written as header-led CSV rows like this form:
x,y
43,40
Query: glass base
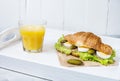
x,y
33,51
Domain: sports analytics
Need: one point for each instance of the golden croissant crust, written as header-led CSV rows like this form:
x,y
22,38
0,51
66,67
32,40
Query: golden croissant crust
x,y
89,40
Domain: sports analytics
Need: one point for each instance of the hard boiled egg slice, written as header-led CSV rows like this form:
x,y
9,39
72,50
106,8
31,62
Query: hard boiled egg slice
x,y
67,44
102,55
82,49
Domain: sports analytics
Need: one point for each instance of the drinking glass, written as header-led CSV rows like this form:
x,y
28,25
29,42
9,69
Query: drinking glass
x,y
32,35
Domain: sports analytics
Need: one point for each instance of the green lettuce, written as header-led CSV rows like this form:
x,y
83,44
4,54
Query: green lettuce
x,y
62,48
88,57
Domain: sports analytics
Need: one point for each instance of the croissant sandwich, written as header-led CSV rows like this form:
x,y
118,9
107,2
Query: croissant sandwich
x,y
86,46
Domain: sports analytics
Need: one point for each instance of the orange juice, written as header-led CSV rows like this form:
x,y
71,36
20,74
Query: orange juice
x,y
32,37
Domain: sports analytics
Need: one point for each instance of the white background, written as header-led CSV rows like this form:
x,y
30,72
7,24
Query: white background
x,y
99,16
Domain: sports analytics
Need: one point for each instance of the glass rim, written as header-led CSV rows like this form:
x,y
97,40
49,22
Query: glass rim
x,y
32,22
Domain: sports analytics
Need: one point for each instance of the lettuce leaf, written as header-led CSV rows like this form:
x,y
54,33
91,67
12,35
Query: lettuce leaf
x,y
88,57
62,48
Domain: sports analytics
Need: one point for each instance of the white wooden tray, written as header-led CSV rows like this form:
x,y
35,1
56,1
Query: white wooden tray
x,y
46,64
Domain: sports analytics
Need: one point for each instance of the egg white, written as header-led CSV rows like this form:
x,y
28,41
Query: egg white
x,y
102,55
67,44
81,49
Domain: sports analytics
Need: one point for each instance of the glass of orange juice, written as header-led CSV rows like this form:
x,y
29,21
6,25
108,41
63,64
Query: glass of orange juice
x,y
32,34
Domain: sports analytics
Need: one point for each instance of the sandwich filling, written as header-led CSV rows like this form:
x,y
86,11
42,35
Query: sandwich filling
x,y
86,52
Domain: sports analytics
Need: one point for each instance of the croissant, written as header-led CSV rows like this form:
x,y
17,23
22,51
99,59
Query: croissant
x,y
89,40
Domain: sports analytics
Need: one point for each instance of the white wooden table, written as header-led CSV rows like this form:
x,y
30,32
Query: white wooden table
x,y
46,64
